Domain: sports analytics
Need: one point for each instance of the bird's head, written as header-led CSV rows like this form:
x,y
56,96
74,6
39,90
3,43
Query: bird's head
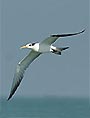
x,y
29,45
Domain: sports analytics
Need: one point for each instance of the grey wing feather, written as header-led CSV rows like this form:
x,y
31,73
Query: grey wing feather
x,y
49,40
54,37
21,67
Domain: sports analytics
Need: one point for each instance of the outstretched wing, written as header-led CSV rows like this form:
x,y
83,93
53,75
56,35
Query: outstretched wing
x,y
21,67
53,38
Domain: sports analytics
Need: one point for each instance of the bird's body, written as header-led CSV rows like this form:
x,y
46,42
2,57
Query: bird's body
x,y
41,48
36,49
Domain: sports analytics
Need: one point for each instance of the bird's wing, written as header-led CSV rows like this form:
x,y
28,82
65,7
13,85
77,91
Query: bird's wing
x,y
53,38
21,67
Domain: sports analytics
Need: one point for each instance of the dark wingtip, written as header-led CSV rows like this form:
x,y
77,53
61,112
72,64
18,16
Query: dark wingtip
x,y
9,97
83,31
65,35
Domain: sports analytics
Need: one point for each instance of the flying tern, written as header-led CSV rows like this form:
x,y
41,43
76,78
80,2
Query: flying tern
x,y
37,49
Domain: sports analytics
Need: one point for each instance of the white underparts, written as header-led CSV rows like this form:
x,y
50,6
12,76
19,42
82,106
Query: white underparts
x,y
36,47
52,48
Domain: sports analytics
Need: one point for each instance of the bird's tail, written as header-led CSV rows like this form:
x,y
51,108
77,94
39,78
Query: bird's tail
x,y
59,50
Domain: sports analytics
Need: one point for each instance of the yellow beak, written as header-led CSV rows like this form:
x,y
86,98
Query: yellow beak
x,y
23,47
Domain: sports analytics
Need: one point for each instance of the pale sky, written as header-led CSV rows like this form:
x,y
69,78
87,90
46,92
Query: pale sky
x,y
24,21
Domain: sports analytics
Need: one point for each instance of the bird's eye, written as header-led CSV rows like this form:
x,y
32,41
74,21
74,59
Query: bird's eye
x,y
29,44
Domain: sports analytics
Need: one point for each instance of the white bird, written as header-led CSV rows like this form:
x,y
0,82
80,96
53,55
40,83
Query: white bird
x,y
36,50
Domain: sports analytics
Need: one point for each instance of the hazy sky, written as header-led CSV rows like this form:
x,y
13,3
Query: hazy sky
x,y
24,21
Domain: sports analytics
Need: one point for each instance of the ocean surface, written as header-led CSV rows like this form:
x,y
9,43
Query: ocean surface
x,y
45,107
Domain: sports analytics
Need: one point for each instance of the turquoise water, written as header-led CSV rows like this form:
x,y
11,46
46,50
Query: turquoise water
x,y
45,107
